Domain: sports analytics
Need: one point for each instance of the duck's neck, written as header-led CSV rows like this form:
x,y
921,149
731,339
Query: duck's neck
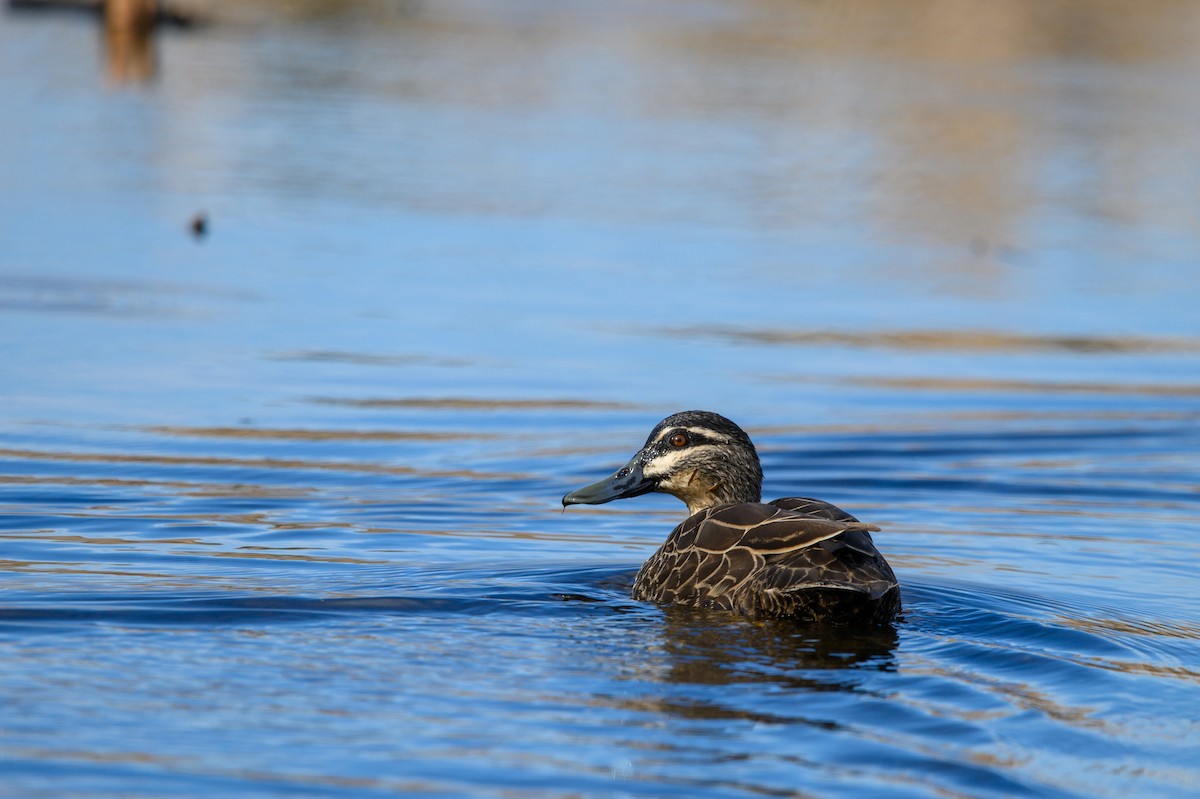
x,y
708,489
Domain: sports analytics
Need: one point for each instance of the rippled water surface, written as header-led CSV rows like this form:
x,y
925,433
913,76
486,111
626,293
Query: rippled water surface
x,y
279,501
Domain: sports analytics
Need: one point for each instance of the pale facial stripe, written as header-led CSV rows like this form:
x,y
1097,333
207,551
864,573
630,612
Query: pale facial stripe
x,y
667,462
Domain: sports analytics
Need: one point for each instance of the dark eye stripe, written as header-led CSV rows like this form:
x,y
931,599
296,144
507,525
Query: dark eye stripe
x,y
662,437
693,439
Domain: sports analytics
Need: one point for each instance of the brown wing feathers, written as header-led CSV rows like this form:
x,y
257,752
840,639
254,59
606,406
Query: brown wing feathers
x,y
794,556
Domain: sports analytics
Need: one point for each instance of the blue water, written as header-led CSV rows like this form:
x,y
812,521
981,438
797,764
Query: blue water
x,y
279,505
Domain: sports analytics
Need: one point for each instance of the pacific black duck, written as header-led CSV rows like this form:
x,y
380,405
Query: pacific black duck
x,y
794,557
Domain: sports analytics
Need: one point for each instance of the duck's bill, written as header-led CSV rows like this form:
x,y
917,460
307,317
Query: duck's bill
x,y
628,481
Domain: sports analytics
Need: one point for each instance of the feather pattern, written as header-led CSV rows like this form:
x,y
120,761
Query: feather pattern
x,y
795,557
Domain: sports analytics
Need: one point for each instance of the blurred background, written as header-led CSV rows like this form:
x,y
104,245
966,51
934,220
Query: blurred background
x,y
607,201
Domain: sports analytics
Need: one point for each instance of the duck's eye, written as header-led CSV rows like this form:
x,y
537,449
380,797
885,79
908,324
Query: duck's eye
x,y
678,440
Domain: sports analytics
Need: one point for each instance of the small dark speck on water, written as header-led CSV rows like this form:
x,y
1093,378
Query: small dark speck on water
x,y
199,225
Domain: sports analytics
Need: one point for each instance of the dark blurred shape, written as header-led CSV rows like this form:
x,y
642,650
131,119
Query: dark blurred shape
x,y
199,225
93,6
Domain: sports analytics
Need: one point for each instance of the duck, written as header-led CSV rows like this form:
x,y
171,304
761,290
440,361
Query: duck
x,y
794,557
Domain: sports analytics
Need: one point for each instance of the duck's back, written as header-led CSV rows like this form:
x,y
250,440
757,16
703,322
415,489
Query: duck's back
x,y
795,557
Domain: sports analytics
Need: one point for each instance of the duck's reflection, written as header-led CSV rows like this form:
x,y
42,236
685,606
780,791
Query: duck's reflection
x,y
715,649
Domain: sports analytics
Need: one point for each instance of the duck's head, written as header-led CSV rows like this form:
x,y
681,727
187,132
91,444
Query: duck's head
x,y
698,456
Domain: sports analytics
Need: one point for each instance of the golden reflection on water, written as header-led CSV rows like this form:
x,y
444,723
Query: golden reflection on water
x,y
297,434
254,463
185,488
1151,669
1016,695
284,556
200,765
366,358
473,403
947,340
1033,386
105,540
1115,628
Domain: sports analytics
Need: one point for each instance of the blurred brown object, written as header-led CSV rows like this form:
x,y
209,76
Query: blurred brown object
x,y
129,28
129,40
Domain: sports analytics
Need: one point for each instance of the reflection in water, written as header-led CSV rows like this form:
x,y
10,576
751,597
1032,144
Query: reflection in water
x,y
366,358
129,40
115,298
718,649
472,403
946,340
316,435
130,48
1030,386
247,463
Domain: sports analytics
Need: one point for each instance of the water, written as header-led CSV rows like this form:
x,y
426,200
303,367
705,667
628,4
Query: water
x,y
280,504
